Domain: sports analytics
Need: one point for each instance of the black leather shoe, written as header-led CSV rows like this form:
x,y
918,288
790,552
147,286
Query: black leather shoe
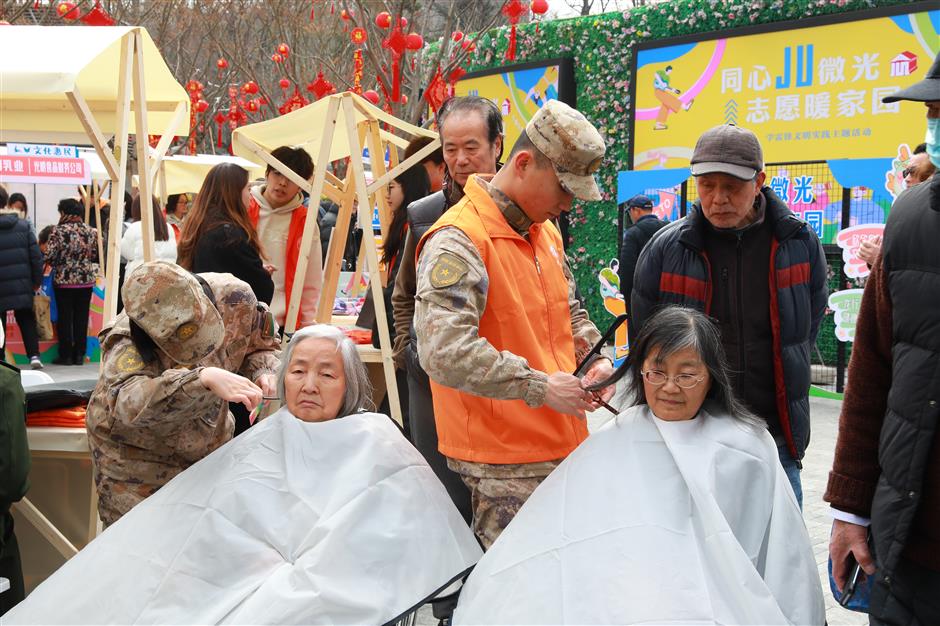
x,y
79,360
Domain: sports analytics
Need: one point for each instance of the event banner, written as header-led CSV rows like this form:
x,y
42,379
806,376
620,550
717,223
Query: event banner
x,y
517,93
810,93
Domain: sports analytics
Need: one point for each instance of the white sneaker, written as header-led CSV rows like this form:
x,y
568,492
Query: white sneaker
x,y
35,363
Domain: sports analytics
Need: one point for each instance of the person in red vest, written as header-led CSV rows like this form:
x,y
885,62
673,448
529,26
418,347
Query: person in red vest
x,y
278,213
499,328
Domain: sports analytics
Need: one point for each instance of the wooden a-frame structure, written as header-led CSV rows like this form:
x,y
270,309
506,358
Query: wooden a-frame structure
x,y
337,127
79,85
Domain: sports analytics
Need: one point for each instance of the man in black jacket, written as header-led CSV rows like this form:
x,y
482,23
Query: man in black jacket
x,y
885,479
21,261
645,225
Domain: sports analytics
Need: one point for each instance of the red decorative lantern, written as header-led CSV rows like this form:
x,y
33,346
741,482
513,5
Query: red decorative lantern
x,y
220,120
296,101
404,99
277,58
194,86
383,19
403,22
414,41
372,96
397,43
513,10
97,16
283,50
251,87
202,106
321,87
67,11
221,64
539,7
358,35
252,106
457,36
284,83
346,15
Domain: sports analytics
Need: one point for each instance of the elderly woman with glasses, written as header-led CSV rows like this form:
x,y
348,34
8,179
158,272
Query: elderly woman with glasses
x,y
322,513
677,511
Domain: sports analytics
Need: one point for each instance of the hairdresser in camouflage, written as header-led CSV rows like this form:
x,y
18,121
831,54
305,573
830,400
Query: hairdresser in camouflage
x,y
184,347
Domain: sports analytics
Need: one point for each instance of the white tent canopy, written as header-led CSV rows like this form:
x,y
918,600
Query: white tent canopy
x,y
185,173
75,84
57,60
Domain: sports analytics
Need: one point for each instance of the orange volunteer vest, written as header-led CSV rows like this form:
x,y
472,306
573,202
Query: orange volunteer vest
x,y
527,314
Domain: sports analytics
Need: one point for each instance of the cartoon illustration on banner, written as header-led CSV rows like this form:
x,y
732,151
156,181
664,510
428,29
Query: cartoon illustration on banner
x,y
850,240
845,305
816,97
517,94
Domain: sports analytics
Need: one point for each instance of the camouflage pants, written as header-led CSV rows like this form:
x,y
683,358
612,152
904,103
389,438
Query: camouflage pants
x,y
497,492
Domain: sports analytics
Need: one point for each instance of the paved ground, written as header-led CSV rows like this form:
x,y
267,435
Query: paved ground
x,y
816,467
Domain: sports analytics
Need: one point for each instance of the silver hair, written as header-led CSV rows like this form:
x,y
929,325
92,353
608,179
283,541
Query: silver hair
x,y
358,386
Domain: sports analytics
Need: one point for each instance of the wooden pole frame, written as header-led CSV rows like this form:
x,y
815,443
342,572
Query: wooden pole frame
x,y
316,188
371,253
144,187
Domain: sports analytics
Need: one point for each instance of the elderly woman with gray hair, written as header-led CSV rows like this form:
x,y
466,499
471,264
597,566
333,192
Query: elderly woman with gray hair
x,y
322,377
677,511
304,518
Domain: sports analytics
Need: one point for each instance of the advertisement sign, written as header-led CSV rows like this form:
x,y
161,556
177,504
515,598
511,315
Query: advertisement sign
x,y
809,93
48,170
39,149
519,91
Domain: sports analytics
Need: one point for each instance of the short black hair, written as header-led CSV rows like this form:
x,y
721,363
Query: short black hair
x,y
71,206
172,200
18,197
525,143
44,234
436,157
921,148
481,106
296,159
3,196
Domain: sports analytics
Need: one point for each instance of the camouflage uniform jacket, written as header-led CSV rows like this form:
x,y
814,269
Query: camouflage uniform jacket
x,y
447,321
147,422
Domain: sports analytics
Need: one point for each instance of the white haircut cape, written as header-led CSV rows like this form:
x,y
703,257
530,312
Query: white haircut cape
x,y
338,522
654,522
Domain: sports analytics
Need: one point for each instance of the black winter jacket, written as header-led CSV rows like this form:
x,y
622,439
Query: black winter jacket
x,y
21,261
674,270
911,261
634,240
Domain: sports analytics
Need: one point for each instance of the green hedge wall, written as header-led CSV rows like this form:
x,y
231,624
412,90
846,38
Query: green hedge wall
x,y
602,49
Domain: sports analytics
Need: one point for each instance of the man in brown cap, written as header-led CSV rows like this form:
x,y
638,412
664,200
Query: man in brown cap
x,y
499,328
745,259
885,481
168,374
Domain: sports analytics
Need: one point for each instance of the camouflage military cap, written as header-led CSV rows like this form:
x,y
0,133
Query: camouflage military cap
x,y
572,144
169,304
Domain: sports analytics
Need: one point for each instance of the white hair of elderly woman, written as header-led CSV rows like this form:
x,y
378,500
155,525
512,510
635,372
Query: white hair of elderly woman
x,y
358,386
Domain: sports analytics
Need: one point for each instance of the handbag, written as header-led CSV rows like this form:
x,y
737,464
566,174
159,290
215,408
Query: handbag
x,y
43,314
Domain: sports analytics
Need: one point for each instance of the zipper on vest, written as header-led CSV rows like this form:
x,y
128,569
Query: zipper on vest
x,y
548,307
538,266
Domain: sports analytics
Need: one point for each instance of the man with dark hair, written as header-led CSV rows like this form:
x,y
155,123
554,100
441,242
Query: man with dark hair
x,y
433,163
742,256
884,487
645,225
471,130
919,168
499,329
278,212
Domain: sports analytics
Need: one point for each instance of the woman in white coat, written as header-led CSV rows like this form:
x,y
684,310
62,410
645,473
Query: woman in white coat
x,y
132,242
677,511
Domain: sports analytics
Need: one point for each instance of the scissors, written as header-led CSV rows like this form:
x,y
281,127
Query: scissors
x,y
579,371
257,410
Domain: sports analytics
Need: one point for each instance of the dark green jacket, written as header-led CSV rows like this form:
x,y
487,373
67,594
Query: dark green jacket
x,y
14,449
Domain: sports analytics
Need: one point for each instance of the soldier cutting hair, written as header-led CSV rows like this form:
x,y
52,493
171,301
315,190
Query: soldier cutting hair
x,y
185,346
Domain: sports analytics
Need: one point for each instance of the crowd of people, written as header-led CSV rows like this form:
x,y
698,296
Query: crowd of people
x,y
497,369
